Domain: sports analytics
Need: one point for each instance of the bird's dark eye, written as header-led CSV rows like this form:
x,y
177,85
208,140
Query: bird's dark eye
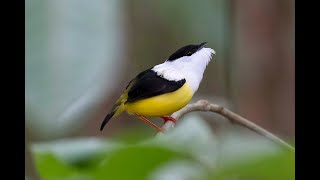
x,y
189,53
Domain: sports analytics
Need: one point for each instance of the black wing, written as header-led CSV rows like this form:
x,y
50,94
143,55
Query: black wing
x,y
148,84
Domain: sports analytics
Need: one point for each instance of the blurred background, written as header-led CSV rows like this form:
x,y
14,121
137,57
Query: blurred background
x,y
81,54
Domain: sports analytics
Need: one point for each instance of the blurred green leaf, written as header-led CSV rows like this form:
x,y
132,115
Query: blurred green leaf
x,y
197,154
277,166
135,162
192,136
51,168
77,150
179,170
66,160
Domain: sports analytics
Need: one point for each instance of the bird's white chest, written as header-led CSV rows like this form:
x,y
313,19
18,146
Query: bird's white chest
x,y
190,68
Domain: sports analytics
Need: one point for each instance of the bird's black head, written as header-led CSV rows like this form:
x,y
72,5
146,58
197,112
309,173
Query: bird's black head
x,y
186,51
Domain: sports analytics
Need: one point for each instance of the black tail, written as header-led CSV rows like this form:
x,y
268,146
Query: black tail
x,y
106,119
117,108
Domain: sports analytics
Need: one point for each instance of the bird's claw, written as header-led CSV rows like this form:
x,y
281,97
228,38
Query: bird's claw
x,y
169,118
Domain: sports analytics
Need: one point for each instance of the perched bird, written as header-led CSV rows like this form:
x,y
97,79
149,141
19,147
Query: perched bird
x,y
164,88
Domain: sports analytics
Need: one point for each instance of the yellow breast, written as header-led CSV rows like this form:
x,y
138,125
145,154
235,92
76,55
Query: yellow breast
x,y
161,105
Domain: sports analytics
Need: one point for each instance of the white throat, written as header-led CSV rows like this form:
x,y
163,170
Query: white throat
x,y
190,68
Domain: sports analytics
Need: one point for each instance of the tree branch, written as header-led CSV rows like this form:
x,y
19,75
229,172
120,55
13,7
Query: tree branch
x,y
204,105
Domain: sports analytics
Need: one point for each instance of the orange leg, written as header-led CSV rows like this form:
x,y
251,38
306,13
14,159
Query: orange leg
x,y
169,118
150,123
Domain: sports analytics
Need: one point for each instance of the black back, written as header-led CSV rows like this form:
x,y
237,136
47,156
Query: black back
x,y
148,84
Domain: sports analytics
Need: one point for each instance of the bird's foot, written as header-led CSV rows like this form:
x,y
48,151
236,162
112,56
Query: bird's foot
x,y
169,118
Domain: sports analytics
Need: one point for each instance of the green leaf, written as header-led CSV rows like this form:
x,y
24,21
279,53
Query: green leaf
x,y
177,154
95,159
75,150
179,170
70,158
135,162
277,166
192,136
51,168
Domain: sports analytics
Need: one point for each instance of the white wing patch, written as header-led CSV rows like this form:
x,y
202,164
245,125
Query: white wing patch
x,y
169,72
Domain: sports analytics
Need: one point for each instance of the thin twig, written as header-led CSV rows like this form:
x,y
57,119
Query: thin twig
x,y
204,105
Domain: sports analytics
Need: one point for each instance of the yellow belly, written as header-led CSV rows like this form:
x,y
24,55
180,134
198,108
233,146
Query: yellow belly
x,y
161,105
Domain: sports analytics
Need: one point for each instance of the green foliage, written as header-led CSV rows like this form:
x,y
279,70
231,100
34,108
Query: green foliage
x,y
135,162
190,151
279,166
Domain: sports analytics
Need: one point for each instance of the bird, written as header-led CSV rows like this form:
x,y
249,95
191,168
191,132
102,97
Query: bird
x,y
165,88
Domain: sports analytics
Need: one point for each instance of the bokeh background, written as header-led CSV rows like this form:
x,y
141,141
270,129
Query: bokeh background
x,y
81,54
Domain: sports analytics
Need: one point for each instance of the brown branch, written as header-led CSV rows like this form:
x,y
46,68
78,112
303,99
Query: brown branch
x,y
204,105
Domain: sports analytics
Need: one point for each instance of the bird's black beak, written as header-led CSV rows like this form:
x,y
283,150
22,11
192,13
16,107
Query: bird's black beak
x,y
201,46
